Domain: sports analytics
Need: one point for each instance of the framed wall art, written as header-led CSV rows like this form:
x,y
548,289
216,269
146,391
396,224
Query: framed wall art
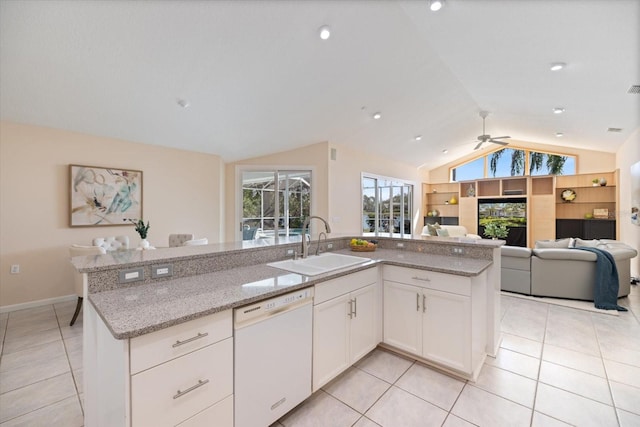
x,y
100,196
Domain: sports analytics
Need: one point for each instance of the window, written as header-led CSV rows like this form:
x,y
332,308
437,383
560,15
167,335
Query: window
x,y
386,207
514,162
274,203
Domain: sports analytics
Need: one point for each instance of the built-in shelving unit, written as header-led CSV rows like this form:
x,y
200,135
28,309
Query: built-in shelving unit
x,y
548,216
443,199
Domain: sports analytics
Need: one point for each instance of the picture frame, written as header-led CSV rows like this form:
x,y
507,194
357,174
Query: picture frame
x,y
103,196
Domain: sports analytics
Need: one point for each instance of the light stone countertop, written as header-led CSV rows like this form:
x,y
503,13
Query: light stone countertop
x,y
146,308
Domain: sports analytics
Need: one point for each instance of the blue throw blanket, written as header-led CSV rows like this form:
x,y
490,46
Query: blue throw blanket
x,y
605,292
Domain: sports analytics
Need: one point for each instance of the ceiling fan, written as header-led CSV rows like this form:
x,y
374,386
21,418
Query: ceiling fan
x,y
487,138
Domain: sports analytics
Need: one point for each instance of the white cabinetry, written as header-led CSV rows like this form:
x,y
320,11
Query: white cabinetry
x,y
439,317
346,323
181,375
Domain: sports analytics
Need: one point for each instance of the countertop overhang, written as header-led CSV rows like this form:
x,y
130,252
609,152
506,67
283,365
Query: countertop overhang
x,y
139,310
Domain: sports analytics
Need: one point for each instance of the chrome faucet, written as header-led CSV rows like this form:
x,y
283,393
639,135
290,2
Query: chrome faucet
x,y
305,243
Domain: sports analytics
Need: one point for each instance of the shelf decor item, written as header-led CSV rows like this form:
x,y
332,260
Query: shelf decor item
x,y
601,213
568,195
101,196
453,200
602,182
596,182
471,191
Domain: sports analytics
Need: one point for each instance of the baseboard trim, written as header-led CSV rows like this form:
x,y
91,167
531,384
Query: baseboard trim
x,y
39,303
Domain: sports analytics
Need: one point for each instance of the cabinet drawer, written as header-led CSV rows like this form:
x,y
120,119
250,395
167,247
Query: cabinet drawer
x,y
160,346
169,393
343,285
428,279
218,415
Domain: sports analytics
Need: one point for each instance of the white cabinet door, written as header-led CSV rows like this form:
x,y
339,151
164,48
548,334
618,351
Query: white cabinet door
x,y
403,316
363,322
446,329
330,339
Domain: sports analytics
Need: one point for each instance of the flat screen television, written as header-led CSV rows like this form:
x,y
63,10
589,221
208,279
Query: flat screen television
x,y
511,212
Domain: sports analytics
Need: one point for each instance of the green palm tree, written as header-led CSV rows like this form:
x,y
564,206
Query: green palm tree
x,y
517,161
555,163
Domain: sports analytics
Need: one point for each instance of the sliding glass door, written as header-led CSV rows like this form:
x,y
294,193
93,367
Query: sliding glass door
x,y
274,203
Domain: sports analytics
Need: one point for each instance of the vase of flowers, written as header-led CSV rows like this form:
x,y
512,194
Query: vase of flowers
x,y
142,230
496,230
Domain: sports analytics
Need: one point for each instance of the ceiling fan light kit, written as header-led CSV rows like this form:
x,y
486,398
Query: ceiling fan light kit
x,y
487,138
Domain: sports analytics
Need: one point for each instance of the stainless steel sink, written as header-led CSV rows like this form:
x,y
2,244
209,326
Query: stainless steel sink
x,y
319,264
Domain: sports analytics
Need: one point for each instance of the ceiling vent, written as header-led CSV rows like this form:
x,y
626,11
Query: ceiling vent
x,y
615,130
634,89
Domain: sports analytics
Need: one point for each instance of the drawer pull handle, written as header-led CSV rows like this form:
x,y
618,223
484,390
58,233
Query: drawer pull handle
x,y
424,303
190,389
355,307
350,309
417,302
423,279
197,337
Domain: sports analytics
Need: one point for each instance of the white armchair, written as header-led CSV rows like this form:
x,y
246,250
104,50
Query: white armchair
x,y
450,231
112,243
79,250
196,242
176,240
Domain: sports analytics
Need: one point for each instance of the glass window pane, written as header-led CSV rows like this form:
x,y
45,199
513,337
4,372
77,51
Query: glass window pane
x,y
506,162
551,164
469,171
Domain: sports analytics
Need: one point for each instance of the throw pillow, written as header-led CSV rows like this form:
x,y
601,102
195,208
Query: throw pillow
x,y
586,243
433,229
442,232
555,244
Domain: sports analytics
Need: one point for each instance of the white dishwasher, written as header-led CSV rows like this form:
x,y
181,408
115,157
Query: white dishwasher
x,y
273,340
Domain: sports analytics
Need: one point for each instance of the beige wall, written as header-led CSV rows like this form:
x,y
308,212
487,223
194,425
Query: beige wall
x,y
627,155
181,193
313,156
345,187
337,183
589,161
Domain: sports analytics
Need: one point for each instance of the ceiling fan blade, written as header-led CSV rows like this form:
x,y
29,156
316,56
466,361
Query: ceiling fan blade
x,y
498,142
500,137
479,145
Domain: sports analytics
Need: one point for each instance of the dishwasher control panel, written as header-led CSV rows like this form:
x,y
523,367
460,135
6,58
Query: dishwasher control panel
x,y
272,306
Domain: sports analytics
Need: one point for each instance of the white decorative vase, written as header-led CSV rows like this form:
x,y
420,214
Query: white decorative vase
x,y
144,244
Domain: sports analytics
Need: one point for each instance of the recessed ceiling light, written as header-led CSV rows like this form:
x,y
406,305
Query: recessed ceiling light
x,y
436,5
559,134
557,66
445,151
558,110
325,32
182,103
418,137
377,116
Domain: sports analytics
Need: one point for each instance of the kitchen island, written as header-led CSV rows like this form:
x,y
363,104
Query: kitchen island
x,y
207,283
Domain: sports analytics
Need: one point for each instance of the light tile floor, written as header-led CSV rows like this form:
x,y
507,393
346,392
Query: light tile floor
x,y
556,366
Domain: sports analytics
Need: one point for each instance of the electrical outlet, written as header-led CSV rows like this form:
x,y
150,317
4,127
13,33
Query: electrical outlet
x,y
457,251
290,252
131,275
329,245
165,270
399,245
15,269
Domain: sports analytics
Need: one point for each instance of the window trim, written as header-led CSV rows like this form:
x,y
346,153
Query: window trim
x,y
415,204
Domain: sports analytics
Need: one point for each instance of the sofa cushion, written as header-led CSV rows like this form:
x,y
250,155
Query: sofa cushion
x,y
442,232
564,254
433,229
545,244
515,258
579,243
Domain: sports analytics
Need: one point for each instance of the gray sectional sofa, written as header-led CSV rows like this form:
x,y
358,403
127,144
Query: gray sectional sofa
x,y
553,269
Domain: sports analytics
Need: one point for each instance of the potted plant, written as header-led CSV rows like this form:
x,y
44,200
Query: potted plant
x,y
142,230
496,230
596,182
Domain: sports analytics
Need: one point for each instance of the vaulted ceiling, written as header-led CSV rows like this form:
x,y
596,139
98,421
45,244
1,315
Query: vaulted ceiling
x,y
258,79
